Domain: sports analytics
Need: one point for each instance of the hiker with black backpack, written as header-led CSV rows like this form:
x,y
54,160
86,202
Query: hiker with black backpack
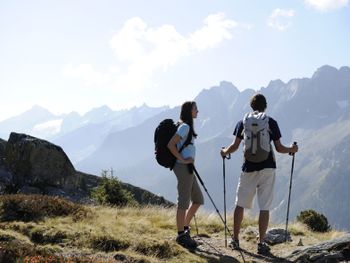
x,y
181,145
256,130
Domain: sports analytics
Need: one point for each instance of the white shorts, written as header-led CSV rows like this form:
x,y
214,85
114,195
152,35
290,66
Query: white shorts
x,y
262,182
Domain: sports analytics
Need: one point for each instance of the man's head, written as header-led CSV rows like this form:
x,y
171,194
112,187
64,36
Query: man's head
x,y
258,103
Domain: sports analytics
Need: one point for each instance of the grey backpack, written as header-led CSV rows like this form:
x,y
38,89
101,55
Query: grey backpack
x,y
256,137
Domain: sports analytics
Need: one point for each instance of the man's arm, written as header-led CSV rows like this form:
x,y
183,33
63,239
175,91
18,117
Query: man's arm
x,y
232,148
283,149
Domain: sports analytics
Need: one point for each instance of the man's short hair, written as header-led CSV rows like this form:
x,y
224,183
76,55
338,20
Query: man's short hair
x,y
258,102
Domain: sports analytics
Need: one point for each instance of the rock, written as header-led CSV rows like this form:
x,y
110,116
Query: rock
x,y
328,251
251,233
37,162
2,148
276,236
5,175
300,243
5,179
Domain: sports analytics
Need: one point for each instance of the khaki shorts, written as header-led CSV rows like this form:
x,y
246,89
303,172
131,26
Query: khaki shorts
x,y
260,182
187,187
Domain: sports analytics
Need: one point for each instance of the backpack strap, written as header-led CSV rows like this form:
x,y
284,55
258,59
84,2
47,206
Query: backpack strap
x,y
187,142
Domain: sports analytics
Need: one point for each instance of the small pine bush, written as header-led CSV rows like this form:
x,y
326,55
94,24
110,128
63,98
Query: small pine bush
x,y
111,192
315,221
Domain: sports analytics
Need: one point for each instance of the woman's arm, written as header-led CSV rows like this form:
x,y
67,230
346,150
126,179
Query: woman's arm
x,y
173,149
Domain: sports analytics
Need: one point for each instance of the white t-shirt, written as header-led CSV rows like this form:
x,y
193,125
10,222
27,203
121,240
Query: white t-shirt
x,y
189,150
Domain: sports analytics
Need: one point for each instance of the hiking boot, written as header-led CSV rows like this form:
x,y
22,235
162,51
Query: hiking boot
x,y
263,249
188,230
234,244
186,241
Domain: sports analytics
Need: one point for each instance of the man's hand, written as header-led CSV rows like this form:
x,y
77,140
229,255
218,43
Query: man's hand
x,y
223,152
293,148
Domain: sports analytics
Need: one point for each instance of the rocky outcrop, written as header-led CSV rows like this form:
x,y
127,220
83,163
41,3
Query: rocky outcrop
x,y
37,162
29,165
336,250
2,149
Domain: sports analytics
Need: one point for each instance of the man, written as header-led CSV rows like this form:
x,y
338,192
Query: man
x,y
258,176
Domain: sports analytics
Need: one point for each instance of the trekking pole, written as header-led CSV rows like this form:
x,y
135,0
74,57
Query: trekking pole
x,y
195,223
290,190
217,210
224,181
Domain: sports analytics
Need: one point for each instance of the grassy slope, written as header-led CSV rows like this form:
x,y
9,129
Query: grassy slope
x,y
138,234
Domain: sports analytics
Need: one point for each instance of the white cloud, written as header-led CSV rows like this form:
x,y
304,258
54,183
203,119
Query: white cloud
x,y
326,5
141,50
280,19
164,46
216,29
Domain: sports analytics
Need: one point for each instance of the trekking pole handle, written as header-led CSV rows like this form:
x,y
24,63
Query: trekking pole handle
x,y
228,157
294,143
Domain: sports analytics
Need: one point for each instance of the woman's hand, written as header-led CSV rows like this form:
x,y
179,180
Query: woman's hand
x,y
187,160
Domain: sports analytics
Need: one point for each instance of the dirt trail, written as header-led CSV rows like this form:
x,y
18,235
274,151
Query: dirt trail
x,y
214,246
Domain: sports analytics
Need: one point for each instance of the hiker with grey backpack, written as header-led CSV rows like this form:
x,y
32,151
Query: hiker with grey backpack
x,y
256,130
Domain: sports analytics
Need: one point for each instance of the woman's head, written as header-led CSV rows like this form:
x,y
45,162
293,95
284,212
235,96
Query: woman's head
x,y
258,103
189,112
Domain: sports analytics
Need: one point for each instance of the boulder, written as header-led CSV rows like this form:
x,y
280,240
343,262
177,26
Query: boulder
x,y
2,149
37,162
276,236
335,250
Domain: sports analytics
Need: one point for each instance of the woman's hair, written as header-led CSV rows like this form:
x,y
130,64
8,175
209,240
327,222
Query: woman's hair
x,y
258,103
186,116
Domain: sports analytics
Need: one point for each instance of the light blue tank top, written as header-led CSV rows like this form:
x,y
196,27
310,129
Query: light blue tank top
x,y
189,150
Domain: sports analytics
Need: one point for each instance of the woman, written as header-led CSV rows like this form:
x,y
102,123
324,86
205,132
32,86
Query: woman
x,y
187,185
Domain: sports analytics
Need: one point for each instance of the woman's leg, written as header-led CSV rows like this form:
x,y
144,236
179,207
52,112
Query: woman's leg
x,y
190,213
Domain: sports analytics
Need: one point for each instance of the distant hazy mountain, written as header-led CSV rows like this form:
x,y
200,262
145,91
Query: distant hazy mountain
x,y
78,135
84,140
26,121
314,111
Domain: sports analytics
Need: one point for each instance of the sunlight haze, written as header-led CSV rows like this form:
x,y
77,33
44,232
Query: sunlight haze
x,y
76,55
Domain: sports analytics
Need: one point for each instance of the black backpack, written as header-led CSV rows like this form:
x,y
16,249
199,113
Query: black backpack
x,y
162,135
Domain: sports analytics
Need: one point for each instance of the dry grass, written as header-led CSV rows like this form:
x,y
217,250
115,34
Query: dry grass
x,y
139,234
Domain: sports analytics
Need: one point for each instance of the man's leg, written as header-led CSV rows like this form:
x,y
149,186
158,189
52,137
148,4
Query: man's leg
x,y
265,198
264,217
237,221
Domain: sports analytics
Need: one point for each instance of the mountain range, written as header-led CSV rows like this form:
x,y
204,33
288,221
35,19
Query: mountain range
x,y
313,111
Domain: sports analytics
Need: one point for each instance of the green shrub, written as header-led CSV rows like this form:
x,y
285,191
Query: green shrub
x,y
315,221
111,192
20,207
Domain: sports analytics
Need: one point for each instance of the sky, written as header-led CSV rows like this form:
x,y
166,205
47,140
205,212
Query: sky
x,y
75,55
